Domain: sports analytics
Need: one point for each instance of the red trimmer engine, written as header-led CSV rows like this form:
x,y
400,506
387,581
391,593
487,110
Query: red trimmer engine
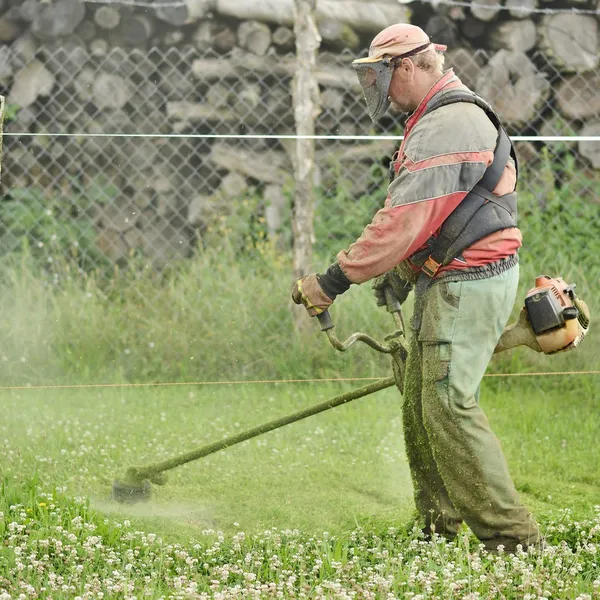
x,y
559,319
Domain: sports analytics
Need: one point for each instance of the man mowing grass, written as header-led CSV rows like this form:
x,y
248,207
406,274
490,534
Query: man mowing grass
x,y
448,230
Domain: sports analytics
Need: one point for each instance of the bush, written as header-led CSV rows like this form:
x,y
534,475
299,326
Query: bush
x,y
52,228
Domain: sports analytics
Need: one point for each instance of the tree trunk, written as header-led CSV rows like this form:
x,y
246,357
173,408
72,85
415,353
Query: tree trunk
x,y
58,19
511,83
278,105
6,68
570,41
65,106
190,11
30,82
173,38
224,38
268,167
23,51
66,56
514,35
591,149
1,132
367,17
176,84
283,38
112,91
338,35
442,30
86,31
472,28
275,206
247,101
199,112
203,36
107,17
29,10
254,36
466,63
578,96
132,31
98,48
520,8
10,29
485,10
250,65
306,109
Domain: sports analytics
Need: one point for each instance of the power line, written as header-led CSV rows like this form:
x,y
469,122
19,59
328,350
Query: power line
x,y
523,10
140,4
235,136
434,3
261,381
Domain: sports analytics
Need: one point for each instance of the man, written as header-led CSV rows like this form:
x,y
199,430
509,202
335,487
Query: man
x,y
447,227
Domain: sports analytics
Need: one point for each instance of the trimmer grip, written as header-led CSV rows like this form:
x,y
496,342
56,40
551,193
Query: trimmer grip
x,y
392,301
325,320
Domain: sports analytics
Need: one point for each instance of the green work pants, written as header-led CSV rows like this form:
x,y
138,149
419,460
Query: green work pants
x,y
459,471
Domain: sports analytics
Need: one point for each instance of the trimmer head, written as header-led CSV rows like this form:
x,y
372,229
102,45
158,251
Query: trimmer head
x,y
131,493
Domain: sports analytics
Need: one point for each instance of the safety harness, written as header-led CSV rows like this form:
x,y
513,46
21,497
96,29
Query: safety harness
x,y
478,215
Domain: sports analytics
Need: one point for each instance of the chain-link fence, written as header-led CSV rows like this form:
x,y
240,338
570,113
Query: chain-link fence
x,y
148,159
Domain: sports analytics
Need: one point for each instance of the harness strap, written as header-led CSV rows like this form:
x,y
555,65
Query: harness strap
x,y
441,249
456,234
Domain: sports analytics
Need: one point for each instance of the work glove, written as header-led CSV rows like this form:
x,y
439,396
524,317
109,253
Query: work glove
x,y
308,291
400,287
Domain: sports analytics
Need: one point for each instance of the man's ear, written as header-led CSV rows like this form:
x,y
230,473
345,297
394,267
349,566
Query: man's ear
x,y
407,68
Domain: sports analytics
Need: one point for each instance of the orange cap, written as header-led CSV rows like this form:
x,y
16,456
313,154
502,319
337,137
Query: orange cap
x,y
401,39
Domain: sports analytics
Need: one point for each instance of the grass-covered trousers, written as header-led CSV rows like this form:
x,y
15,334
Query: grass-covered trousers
x,y
458,468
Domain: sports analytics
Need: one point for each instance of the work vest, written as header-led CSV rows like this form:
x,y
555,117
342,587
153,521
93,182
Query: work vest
x,y
480,213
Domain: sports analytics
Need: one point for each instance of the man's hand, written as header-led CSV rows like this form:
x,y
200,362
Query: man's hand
x,y
308,291
392,279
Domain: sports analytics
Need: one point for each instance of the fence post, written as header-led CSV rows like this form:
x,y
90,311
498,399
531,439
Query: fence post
x,y
306,109
1,131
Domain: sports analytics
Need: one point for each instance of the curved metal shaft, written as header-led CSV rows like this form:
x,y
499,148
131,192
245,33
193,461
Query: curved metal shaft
x,y
356,337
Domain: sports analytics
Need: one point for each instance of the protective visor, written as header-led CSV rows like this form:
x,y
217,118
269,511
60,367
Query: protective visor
x,y
375,76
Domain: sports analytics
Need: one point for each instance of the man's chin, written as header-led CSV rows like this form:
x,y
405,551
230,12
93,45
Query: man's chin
x,y
398,108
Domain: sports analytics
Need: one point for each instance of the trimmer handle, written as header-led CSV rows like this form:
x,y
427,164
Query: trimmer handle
x,y
325,320
392,301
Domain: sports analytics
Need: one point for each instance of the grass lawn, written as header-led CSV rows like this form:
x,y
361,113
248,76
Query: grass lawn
x,y
343,472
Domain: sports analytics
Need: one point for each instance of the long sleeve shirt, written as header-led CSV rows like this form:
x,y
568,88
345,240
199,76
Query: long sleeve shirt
x,y
443,155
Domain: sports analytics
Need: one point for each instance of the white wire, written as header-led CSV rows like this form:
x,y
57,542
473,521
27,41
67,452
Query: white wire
x,y
545,11
434,3
140,3
234,136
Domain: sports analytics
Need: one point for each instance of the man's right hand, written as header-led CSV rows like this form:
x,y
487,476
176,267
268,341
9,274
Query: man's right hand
x,y
392,279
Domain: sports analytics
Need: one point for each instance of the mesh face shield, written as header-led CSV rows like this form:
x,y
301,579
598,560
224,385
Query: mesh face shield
x,y
375,76
375,72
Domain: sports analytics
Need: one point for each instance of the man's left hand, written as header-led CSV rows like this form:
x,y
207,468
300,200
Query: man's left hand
x,y
308,291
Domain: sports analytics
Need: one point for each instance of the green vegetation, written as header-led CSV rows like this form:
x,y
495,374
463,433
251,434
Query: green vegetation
x,y
256,514
213,318
320,509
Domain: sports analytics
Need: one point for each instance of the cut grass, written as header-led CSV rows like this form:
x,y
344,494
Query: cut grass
x,y
250,520
328,472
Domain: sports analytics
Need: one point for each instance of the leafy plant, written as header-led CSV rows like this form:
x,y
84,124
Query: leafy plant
x,y
54,228
10,112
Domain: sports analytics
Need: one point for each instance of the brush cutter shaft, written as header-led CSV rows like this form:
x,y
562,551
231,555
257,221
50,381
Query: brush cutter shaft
x,y
327,326
356,337
393,306
150,470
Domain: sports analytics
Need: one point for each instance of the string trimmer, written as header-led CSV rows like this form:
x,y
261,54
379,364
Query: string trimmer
x,y
553,320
